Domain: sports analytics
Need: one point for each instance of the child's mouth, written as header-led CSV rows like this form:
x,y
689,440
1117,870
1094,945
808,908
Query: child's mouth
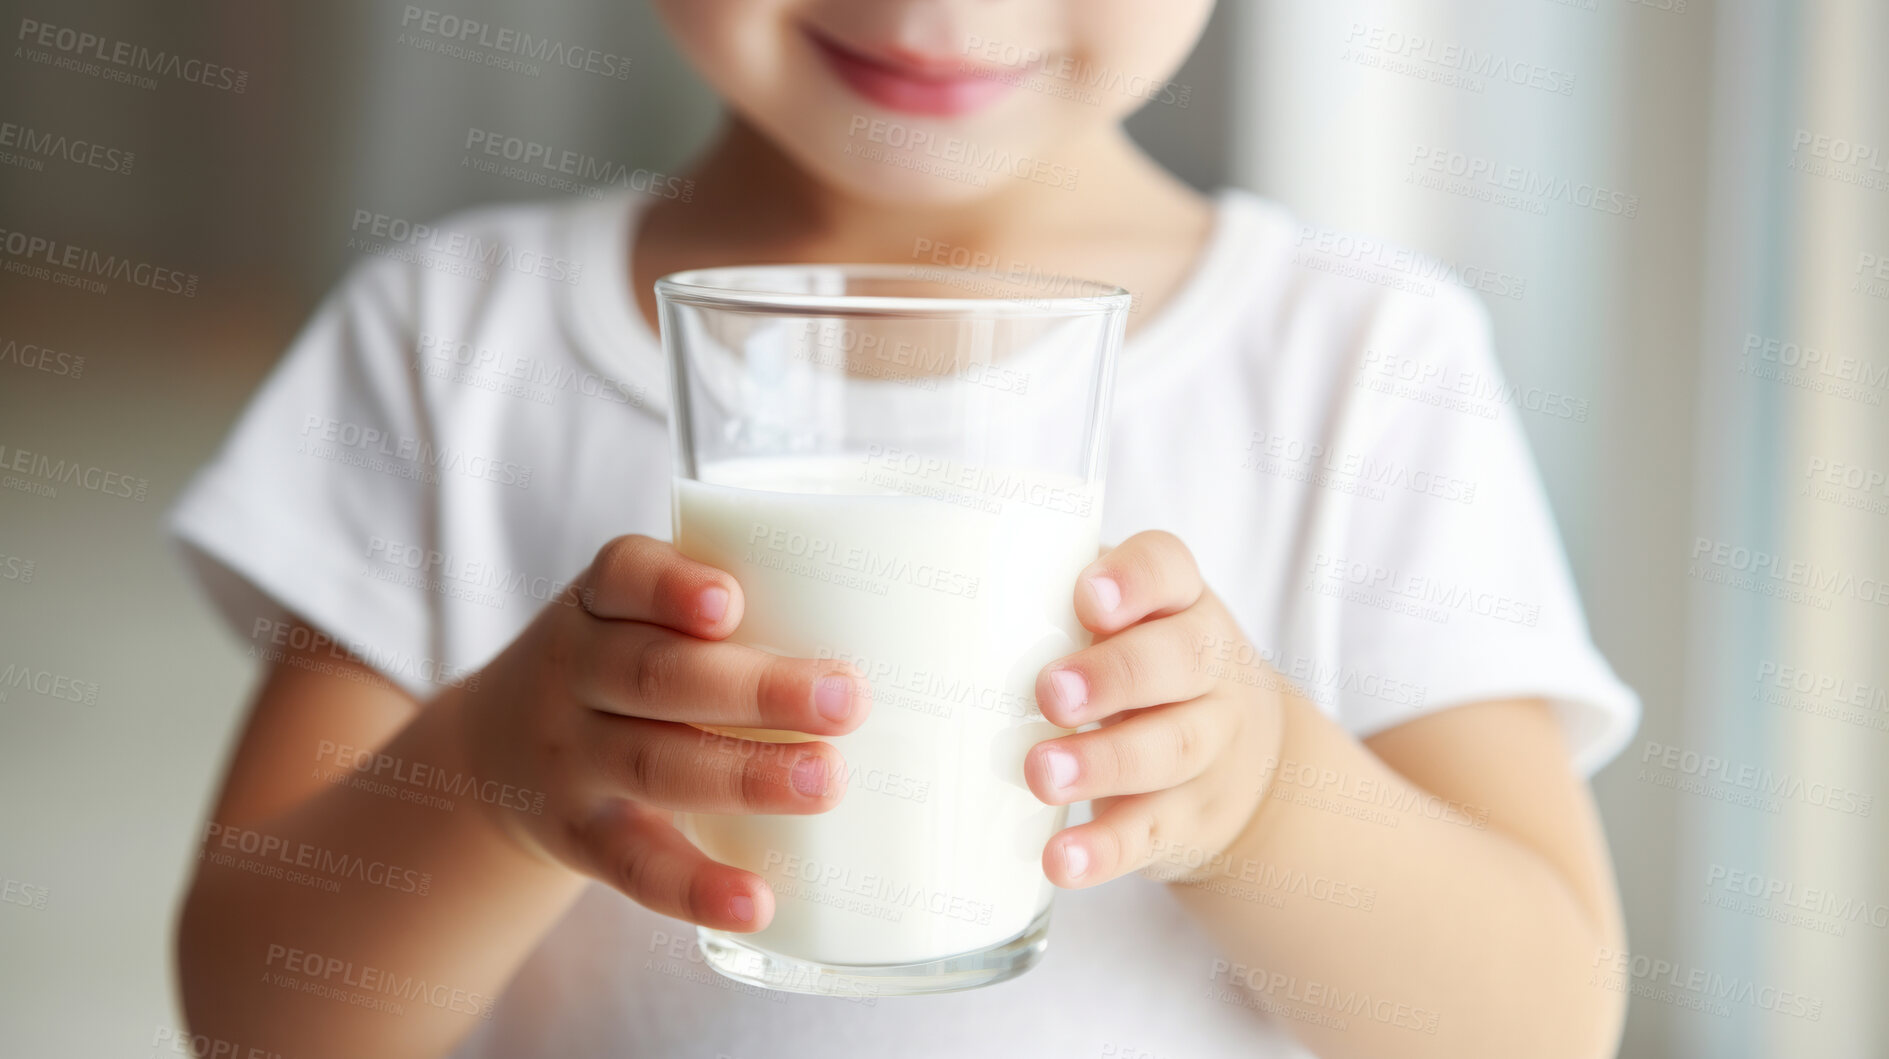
x,y
944,86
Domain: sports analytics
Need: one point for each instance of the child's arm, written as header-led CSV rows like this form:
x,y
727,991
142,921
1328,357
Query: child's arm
x,y
1495,921
563,761
1445,888
249,945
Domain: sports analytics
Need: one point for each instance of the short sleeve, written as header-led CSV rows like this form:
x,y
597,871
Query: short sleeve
x,y
328,459
1437,576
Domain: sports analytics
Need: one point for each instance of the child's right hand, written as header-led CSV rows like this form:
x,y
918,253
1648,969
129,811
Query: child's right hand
x,y
592,706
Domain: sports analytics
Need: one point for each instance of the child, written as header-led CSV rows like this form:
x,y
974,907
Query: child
x,y
1337,802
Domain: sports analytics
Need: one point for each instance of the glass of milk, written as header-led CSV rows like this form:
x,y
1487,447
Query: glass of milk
x,y
902,466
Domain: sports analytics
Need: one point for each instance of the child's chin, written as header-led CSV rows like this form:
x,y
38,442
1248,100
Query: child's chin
x,y
892,186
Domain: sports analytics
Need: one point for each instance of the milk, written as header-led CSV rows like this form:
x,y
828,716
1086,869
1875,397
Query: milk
x,y
950,588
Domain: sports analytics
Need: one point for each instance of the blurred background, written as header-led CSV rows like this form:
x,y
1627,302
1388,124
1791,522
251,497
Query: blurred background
x,y
1690,202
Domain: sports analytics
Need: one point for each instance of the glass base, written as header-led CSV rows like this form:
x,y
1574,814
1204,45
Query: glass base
x,y
735,958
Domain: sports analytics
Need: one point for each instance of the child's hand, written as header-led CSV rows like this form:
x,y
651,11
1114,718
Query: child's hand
x,y
1177,768
593,706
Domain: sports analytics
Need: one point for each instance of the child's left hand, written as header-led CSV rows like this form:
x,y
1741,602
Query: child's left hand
x,y
1180,763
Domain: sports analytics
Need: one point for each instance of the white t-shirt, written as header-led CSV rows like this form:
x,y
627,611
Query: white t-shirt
x,y
479,406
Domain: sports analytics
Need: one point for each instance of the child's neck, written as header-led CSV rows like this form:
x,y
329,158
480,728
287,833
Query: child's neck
x,y
1126,221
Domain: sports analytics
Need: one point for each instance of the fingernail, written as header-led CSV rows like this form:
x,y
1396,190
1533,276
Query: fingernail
x,y
1075,860
712,605
810,777
1108,594
1062,767
833,697
741,906
1072,692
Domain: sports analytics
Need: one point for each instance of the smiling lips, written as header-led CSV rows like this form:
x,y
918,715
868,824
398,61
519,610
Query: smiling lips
x,y
943,87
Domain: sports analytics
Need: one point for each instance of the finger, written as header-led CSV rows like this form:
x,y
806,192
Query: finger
x,y
638,578
1144,665
675,766
1122,838
1149,574
1150,750
640,852
644,671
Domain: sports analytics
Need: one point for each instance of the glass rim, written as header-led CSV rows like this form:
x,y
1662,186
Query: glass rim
x,y
717,288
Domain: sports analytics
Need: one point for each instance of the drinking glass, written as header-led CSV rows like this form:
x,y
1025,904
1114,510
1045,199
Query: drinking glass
x,y
902,466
